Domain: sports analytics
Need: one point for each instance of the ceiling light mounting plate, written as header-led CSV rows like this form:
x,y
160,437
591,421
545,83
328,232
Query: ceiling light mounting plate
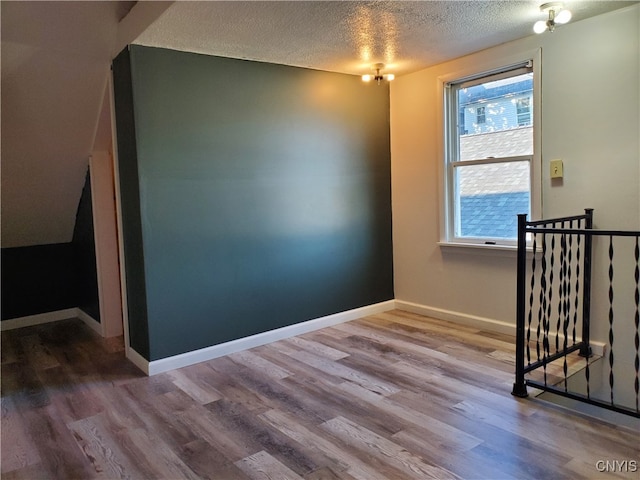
x,y
378,76
557,15
545,7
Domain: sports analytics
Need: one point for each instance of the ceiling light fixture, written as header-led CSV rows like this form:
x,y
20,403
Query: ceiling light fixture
x,y
378,77
558,15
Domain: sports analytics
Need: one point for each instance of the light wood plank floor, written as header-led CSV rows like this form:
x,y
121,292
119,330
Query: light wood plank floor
x,y
393,395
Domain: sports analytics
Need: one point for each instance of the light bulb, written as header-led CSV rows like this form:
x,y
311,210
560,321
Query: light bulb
x,y
540,26
389,76
563,16
367,78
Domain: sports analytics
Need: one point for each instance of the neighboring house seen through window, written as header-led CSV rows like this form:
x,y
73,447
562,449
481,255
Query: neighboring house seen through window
x,y
489,154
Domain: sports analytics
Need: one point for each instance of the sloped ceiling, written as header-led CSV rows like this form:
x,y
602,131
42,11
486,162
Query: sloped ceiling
x,y
55,65
55,60
56,57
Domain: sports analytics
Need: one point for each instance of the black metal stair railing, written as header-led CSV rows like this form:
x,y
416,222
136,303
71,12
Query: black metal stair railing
x,y
556,288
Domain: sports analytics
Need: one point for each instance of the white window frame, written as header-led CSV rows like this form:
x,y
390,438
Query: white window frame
x,y
447,188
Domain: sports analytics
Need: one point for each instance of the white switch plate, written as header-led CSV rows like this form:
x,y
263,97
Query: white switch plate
x,y
556,168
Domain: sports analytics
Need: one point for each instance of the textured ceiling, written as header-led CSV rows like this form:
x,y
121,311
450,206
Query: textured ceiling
x,y
350,36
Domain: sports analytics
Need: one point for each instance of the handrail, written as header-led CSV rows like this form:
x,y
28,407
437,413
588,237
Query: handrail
x,y
588,212
592,232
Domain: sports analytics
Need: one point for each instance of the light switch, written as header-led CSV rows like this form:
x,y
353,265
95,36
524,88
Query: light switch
x,y
556,168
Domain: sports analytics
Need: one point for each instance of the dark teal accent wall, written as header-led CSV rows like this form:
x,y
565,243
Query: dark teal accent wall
x,y
264,195
47,278
133,255
84,248
38,279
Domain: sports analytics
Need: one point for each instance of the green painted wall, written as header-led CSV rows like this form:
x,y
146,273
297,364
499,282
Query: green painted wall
x,y
84,247
133,256
264,196
38,279
47,278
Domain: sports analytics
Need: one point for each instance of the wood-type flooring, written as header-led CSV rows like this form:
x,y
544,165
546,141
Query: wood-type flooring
x,y
388,396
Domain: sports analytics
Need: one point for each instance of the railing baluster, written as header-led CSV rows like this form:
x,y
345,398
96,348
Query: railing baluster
x,y
577,295
636,384
561,271
611,379
587,374
565,290
546,348
530,313
542,307
568,292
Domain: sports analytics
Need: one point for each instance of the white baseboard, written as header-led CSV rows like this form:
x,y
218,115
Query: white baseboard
x,y
48,317
91,322
38,319
481,323
215,351
138,360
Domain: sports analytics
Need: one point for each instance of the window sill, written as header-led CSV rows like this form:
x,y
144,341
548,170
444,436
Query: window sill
x,y
481,249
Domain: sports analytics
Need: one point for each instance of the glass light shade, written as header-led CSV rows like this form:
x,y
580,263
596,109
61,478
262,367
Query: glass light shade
x,y
389,76
367,78
563,16
540,26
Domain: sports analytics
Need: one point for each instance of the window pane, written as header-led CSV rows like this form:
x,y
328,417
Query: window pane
x,y
524,111
490,197
494,118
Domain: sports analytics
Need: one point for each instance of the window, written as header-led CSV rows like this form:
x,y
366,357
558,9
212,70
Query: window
x,y
489,170
480,116
523,111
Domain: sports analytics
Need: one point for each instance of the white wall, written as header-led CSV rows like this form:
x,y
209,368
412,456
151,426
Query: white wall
x,y
590,118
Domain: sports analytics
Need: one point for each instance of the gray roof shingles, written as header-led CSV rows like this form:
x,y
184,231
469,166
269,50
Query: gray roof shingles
x,y
490,200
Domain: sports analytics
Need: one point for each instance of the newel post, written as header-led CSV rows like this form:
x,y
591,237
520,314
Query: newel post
x,y
520,387
585,349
